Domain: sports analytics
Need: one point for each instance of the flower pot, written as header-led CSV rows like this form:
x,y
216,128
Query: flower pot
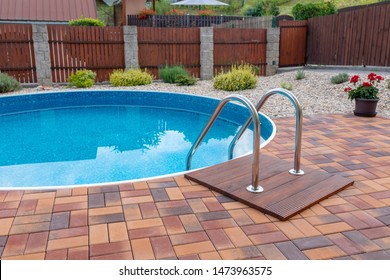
x,y
365,107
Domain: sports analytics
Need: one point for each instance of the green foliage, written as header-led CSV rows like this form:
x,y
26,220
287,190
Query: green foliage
x,y
238,78
82,79
183,80
339,78
262,8
310,10
300,75
366,89
82,21
169,73
8,83
163,6
286,85
131,77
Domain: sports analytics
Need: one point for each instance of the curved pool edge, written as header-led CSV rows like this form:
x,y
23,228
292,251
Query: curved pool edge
x,y
130,181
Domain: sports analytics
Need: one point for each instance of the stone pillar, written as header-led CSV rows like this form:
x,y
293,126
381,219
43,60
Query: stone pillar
x,y
42,54
130,37
273,38
206,53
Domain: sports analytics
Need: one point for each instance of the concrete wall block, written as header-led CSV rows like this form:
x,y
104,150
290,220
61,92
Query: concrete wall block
x,y
130,37
206,53
42,54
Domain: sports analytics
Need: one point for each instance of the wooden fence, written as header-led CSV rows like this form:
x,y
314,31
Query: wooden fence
x,y
73,48
17,52
292,46
246,46
357,37
158,47
179,21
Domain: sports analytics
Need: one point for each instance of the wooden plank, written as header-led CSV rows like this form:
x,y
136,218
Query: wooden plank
x,y
284,194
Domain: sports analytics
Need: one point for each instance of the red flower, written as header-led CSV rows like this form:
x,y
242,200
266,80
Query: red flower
x,y
366,84
371,76
347,89
354,79
379,78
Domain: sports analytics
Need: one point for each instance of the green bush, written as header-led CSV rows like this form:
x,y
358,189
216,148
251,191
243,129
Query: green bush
x,y
86,22
169,73
339,78
8,83
182,80
310,10
300,75
286,85
131,77
82,79
238,78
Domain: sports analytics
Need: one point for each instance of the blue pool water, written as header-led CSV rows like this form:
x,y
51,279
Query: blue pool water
x,y
78,138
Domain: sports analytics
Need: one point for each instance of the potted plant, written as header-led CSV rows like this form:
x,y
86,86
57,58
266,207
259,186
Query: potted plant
x,y
365,94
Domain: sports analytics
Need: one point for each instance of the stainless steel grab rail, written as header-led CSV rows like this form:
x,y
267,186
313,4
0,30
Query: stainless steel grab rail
x,y
298,127
254,187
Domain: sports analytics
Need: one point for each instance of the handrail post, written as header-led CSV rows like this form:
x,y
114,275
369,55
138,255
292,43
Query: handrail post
x,y
298,127
254,187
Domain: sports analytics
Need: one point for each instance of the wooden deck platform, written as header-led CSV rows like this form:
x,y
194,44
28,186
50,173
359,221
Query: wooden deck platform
x,y
284,195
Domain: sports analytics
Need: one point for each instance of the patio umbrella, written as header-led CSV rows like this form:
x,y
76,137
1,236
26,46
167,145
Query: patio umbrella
x,y
200,3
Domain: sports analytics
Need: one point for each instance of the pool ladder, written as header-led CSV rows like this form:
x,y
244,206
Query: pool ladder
x,y
254,187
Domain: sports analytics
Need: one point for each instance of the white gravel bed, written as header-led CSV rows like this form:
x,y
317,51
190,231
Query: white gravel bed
x,y
315,92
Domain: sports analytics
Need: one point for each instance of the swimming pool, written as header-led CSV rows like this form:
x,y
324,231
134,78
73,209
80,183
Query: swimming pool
x,y
93,137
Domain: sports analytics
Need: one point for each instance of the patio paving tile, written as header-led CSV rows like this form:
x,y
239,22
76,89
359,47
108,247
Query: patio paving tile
x,y
242,253
290,251
29,228
78,218
142,249
362,241
378,232
173,225
98,234
79,253
71,232
194,248
220,239
197,205
115,256
241,218
162,247
221,223
117,232
15,245
37,242
44,206
148,210
312,242
269,237
187,238
271,252
324,253
147,232
190,223
27,207
109,248
61,254
60,220
210,256
69,242
5,225
379,255
384,242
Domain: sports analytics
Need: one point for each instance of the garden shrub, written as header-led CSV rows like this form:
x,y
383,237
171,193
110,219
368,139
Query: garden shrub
x,y
339,78
286,85
131,77
8,83
182,80
82,21
300,75
82,79
310,10
169,73
238,78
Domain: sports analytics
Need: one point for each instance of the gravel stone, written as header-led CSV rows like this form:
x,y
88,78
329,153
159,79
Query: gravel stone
x,y
315,92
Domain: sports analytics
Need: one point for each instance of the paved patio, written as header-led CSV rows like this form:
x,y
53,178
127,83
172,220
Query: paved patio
x,y
174,218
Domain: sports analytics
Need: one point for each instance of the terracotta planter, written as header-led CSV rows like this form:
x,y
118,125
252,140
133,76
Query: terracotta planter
x,y
365,107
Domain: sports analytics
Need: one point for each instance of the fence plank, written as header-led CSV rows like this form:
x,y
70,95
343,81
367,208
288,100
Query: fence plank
x,y
236,47
158,47
356,37
292,50
17,56
75,47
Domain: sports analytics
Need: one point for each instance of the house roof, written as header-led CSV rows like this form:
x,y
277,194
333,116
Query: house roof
x,y
46,10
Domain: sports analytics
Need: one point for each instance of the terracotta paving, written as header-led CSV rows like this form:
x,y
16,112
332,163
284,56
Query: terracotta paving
x,y
174,218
